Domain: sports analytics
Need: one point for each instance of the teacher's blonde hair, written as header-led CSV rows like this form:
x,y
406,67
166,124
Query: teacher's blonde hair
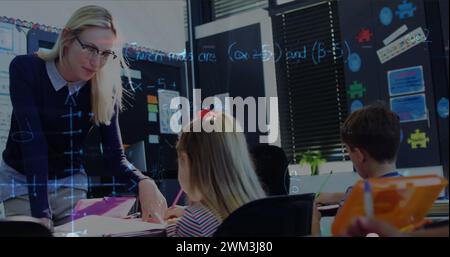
x,y
106,85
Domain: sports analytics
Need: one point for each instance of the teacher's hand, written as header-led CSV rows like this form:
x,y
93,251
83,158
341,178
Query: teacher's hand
x,y
153,203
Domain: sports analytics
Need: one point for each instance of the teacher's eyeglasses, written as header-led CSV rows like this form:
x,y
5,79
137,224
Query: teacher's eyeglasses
x,y
92,51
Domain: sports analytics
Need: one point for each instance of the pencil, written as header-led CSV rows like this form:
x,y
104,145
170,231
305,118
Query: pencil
x,y
177,198
323,184
368,202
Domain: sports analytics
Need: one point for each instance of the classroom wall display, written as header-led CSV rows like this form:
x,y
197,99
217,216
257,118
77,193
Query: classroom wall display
x,y
147,114
356,90
401,45
359,34
410,108
364,35
405,10
418,139
395,34
406,81
442,108
356,105
396,69
27,25
354,62
386,16
165,98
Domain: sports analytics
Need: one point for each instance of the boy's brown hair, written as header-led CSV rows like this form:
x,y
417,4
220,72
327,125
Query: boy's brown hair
x,y
374,128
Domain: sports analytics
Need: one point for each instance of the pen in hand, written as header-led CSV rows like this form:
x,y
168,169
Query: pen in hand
x,y
368,203
177,198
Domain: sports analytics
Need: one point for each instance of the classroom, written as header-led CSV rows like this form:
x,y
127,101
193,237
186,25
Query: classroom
x,y
224,119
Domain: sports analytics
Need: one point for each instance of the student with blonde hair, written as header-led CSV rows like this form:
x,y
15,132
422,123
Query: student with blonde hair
x,y
216,173
57,97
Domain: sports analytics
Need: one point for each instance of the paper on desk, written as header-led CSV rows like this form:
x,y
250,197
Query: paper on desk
x,y
97,226
116,207
328,207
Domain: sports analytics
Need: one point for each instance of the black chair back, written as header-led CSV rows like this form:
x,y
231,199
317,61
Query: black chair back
x,y
273,216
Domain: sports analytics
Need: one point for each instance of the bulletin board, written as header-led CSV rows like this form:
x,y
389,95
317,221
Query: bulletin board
x,y
391,41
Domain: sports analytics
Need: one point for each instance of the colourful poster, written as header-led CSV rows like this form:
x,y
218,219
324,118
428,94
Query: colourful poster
x,y
152,117
165,97
406,81
401,45
410,108
151,99
152,108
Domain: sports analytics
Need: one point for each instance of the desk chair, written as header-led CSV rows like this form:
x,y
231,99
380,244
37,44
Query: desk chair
x,y
23,229
271,166
289,215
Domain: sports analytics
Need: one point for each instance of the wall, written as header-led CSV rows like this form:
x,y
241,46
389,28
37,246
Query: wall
x,y
154,24
366,24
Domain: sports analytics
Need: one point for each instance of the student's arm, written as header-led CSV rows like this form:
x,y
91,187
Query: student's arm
x,y
330,198
315,225
113,150
152,201
30,136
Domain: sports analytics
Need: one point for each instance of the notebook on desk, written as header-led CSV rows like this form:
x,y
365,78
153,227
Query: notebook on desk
x,y
328,210
116,207
100,226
